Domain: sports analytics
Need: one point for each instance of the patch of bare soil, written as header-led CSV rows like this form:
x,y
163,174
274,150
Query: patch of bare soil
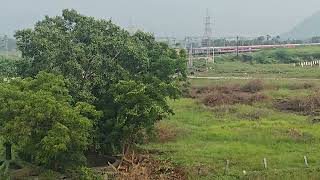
x,y
142,167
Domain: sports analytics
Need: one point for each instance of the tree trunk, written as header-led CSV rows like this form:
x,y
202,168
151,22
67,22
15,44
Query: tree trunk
x,y
8,148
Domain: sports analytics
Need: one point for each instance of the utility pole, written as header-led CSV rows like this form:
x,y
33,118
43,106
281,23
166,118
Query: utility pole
x,y
237,47
6,45
190,57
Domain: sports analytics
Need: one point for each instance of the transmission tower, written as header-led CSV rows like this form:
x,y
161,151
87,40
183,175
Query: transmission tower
x,y
4,43
132,28
207,36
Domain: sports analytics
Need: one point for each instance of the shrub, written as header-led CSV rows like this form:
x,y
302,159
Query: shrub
x,y
253,86
84,173
246,57
55,132
219,98
307,105
296,86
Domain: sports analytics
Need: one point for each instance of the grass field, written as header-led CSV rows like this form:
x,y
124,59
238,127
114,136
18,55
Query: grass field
x,y
274,66
200,138
303,52
240,69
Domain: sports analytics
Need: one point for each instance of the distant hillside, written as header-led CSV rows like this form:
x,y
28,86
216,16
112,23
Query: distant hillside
x,y
307,29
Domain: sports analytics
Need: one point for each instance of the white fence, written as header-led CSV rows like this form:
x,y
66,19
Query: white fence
x,y
308,63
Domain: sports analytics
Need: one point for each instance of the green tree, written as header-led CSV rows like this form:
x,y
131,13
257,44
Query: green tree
x,y
8,67
39,121
97,58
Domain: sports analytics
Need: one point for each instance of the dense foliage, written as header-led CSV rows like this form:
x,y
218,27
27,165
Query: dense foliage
x,y
243,41
282,56
127,77
8,66
39,121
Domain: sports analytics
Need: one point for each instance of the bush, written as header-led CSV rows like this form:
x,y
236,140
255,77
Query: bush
x,y
231,94
84,173
55,132
309,105
220,98
263,58
246,58
282,55
306,85
253,86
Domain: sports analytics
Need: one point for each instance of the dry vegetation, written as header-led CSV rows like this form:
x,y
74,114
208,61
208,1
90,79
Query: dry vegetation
x,y
253,92
249,93
309,105
168,133
141,166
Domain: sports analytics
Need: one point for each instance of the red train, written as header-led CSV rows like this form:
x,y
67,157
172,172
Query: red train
x,y
241,49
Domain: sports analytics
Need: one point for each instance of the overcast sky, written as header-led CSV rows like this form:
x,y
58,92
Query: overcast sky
x,y
170,17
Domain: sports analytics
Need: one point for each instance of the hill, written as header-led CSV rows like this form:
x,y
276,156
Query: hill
x,y
307,29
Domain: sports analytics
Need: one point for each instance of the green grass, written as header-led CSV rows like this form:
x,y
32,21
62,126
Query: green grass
x,y
206,137
241,69
274,63
283,55
300,52
283,84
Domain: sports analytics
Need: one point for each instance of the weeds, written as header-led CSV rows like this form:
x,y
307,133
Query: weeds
x,y
309,105
241,123
253,86
168,132
255,114
231,94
